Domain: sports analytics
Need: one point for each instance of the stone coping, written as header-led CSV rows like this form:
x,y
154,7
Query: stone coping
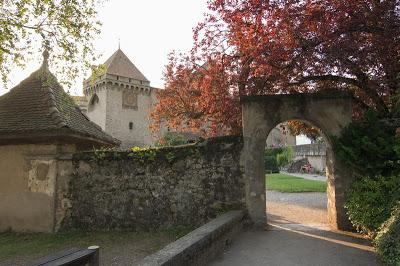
x,y
201,245
334,94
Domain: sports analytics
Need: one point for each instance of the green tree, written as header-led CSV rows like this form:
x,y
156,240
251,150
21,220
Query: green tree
x,y
172,139
368,146
66,27
285,157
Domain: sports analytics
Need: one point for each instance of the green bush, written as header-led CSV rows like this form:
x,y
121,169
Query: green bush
x,y
273,152
285,156
370,202
387,241
172,139
368,146
271,166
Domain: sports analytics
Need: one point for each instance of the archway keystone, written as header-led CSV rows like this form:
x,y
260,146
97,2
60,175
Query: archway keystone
x,y
330,112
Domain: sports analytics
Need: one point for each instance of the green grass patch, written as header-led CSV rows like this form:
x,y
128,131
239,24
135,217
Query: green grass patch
x,y
35,245
288,183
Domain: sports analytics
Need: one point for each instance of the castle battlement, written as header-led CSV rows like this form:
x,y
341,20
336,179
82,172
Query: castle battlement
x,y
120,101
115,82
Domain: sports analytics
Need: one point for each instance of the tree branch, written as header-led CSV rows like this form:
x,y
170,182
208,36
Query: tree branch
x,y
328,77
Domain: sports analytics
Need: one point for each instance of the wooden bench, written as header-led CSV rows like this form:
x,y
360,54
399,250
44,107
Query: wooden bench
x,y
70,257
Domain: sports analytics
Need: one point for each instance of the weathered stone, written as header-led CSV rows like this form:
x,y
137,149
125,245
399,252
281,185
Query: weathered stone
x,y
120,193
330,112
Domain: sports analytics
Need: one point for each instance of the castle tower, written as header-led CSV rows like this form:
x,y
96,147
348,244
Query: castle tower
x,y
120,100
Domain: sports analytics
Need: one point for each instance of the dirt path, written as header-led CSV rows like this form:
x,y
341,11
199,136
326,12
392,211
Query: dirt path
x,y
297,208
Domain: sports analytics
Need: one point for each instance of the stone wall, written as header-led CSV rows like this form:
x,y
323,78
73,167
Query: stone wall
x,y
315,153
152,189
315,149
96,110
28,179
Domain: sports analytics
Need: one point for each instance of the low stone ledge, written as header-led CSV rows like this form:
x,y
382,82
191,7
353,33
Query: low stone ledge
x,y
201,245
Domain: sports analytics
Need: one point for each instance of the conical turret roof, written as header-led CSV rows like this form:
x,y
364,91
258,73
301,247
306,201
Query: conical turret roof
x,y
119,64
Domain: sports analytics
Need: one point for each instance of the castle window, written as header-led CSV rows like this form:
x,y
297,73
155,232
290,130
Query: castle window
x,y
130,125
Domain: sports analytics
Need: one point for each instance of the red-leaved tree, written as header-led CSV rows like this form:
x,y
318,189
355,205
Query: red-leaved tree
x,y
256,47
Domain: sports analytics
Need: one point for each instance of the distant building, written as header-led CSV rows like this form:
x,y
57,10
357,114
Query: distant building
x,y
119,101
315,154
280,137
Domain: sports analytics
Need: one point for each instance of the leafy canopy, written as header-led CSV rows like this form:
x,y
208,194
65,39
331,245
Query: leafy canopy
x,y
370,146
267,47
371,201
67,27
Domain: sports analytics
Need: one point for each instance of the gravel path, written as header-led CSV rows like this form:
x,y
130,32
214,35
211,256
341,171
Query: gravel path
x,y
307,209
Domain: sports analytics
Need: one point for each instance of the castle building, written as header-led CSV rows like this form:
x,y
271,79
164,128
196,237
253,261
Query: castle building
x,y
119,100
280,137
40,126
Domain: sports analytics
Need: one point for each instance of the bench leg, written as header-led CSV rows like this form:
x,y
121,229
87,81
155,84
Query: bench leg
x,y
95,258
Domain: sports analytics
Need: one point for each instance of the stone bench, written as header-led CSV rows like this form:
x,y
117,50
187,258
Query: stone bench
x,y
201,245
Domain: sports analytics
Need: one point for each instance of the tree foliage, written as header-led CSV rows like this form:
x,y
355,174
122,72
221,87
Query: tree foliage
x,y
371,149
172,139
66,27
269,47
370,146
285,156
388,239
370,202
297,127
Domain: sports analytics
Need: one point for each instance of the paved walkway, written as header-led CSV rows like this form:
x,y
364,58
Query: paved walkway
x,y
297,234
307,176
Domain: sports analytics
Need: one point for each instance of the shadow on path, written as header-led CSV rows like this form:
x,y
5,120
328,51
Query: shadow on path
x,y
285,246
297,234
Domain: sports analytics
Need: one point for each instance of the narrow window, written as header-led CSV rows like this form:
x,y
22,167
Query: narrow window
x,y
130,125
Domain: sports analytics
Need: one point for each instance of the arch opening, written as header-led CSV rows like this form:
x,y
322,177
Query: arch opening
x,y
295,175
330,112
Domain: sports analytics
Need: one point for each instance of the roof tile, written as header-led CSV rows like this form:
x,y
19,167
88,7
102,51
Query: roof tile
x,y
39,104
119,64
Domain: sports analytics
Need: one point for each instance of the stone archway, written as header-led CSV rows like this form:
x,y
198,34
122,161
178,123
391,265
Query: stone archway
x,y
330,112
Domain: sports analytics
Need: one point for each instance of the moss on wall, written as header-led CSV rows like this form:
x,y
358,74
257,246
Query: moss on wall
x,y
146,189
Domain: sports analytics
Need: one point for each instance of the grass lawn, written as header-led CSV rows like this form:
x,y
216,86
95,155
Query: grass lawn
x,y
288,183
20,248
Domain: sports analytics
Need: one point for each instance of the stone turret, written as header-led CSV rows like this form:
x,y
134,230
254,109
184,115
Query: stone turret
x,y
119,101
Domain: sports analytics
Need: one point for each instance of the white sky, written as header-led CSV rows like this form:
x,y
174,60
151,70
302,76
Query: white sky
x,y
302,139
148,30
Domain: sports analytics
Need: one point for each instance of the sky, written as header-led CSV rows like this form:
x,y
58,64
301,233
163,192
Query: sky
x,y
302,139
148,31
